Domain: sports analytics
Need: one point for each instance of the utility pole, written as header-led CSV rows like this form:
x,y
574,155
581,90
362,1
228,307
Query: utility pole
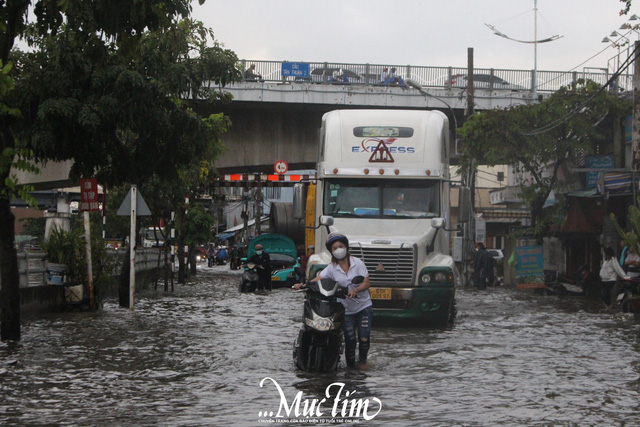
x,y
635,133
469,230
258,206
245,217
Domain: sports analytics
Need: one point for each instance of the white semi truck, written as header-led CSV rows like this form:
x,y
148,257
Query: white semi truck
x,y
383,181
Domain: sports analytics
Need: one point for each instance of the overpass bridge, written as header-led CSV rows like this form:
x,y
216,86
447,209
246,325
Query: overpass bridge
x,y
276,115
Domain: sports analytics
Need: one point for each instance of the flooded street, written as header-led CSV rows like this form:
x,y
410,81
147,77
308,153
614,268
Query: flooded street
x,y
198,356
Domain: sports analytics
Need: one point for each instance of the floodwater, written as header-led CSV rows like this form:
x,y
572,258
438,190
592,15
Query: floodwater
x,y
199,356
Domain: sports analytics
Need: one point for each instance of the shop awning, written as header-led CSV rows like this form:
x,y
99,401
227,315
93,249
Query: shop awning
x,y
225,236
589,192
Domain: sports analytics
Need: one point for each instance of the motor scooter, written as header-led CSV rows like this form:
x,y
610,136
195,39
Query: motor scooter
x,y
566,285
626,292
249,280
320,340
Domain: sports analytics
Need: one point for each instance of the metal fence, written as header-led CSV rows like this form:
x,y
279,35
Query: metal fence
x,y
369,74
32,266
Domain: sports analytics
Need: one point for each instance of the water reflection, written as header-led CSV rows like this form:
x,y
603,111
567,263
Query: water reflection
x,y
196,357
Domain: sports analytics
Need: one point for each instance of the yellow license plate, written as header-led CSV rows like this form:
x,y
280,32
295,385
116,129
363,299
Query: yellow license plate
x,y
380,293
276,278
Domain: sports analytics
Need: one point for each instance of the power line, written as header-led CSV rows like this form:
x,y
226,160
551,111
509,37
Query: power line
x,y
583,62
579,108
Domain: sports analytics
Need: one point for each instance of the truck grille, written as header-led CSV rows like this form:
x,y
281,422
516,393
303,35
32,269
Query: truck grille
x,y
388,266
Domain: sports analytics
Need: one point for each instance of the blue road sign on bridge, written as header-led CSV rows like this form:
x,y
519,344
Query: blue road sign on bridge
x,y
295,69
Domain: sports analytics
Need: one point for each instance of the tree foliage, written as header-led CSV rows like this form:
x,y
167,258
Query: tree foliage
x,y
130,113
116,86
539,139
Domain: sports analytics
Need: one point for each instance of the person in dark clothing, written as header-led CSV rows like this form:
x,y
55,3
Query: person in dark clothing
x,y
263,261
252,75
235,258
482,267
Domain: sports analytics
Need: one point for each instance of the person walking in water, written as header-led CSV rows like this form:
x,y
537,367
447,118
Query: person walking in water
x,y
609,273
358,306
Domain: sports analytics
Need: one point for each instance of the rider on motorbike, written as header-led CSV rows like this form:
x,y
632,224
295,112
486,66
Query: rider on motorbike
x,y
358,305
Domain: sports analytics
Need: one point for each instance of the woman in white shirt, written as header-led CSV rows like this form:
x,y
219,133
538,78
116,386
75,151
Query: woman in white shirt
x,y
632,263
358,306
609,273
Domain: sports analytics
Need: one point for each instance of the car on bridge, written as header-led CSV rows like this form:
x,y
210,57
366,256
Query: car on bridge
x,y
345,76
483,81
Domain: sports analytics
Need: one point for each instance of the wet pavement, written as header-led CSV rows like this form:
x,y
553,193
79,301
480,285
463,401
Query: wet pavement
x,y
198,356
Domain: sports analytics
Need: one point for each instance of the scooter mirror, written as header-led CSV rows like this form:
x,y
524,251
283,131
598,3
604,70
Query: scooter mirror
x,y
357,280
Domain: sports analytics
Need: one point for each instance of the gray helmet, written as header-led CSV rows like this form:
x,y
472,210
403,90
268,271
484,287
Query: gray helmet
x,y
336,237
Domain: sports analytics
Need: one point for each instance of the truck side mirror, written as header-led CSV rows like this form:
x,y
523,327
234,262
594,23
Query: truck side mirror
x,y
438,222
327,221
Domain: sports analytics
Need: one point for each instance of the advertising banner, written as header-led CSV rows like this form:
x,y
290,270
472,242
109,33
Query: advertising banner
x,y
529,267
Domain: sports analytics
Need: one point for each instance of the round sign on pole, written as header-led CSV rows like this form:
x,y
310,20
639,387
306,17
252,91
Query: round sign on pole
x,y
280,167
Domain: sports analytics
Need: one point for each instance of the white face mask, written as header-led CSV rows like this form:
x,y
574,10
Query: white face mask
x,y
340,253
259,252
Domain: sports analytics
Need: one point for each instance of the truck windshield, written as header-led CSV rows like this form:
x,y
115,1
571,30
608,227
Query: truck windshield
x,y
382,198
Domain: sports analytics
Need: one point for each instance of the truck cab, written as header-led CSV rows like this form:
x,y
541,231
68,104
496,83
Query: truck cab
x,y
383,181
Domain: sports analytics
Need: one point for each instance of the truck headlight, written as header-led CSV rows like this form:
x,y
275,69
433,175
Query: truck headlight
x,y
440,277
436,277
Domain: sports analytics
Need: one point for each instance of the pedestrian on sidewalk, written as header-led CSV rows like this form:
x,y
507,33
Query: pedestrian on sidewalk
x,y
482,267
609,273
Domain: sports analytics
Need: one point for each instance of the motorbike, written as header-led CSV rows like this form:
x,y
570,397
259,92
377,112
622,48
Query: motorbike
x,y
249,280
234,262
221,256
581,283
320,341
626,300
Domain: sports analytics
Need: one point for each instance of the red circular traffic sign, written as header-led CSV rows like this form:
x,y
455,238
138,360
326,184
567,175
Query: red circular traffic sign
x,y
280,167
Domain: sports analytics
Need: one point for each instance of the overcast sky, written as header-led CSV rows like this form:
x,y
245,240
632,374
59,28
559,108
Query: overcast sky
x,y
417,32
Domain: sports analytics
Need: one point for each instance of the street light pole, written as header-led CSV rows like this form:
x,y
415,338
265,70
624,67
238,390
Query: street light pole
x,y
535,51
535,42
635,132
618,45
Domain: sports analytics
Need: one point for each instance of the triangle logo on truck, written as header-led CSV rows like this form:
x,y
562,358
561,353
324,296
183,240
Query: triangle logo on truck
x,y
381,154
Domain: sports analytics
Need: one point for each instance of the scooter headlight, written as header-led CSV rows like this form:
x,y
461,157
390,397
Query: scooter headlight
x,y
319,323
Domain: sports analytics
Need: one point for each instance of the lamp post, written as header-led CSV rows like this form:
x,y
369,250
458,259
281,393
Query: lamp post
x,y
630,27
535,42
618,44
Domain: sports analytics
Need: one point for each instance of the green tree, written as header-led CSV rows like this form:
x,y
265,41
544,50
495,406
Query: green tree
x,y
197,231
34,227
113,86
539,139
